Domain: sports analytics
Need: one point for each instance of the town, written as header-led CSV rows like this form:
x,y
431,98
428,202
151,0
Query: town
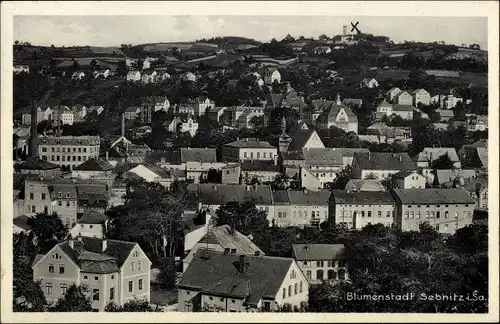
x,y
233,175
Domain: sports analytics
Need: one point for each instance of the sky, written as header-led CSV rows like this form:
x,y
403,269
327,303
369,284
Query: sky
x,y
116,30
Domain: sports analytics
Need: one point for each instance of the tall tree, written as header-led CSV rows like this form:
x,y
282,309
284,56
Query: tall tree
x,y
76,299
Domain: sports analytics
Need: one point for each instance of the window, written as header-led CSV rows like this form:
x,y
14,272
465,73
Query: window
x,y
369,213
43,196
407,214
290,290
85,277
48,288
432,214
362,213
292,274
61,268
332,274
438,214
446,214
279,214
308,274
379,214
245,155
95,294
91,226
300,287
112,277
295,288
67,203
132,266
140,284
130,286
211,298
112,293
342,274
426,214
284,292
418,214
59,202
409,206
96,278
258,155
139,264
32,196
64,288
51,268
388,214
319,274
445,227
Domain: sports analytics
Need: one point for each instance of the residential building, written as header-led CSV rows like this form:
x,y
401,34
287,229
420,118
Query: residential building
x,y
321,50
97,109
445,115
378,165
429,155
79,112
189,76
263,171
299,139
148,77
356,209
78,75
68,151
321,262
475,155
222,239
269,75
112,270
44,112
445,209
182,125
240,283
20,225
132,112
202,104
91,224
364,185
134,76
477,123
230,173
323,164
249,149
421,96
63,115
216,113
449,177
161,103
42,168
392,93
408,179
335,114
21,69
95,169
369,83
151,174
478,190
352,102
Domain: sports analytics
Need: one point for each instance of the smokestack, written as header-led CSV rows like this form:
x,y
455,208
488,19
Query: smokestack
x,y
242,263
344,30
34,132
58,120
123,124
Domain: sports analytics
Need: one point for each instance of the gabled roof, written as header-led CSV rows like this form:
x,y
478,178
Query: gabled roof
x,y
228,239
445,112
403,108
250,143
217,274
300,138
433,196
365,185
363,197
434,153
322,156
22,222
309,198
205,155
133,109
94,164
255,165
34,163
318,252
384,161
218,194
92,217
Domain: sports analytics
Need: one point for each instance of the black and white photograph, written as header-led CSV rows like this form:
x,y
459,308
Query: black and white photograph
x,y
250,163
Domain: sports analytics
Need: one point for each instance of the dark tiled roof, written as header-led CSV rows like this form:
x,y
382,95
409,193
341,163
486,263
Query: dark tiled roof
x,y
173,157
22,222
92,217
217,274
433,196
223,236
250,143
281,197
299,139
318,252
309,198
363,197
94,164
322,156
218,194
198,154
34,163
384,161
349,152
365,185
403,108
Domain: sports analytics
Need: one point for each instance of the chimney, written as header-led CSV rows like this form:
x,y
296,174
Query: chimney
x,y
242,263
104,245
305,190
34,132
400,158
305,247
369,155
247,187
344,30
58,120
256,253
71,243
214,188
226,251
123,125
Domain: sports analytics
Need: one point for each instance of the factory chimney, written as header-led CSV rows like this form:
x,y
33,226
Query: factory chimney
x,y
58,120
34,132
344,30
123,125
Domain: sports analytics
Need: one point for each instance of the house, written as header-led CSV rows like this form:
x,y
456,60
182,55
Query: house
x,y
91,224
230,173
97,109
380,165
263,171
356,209
477,123
113,270
364,185
142,131
21,69
352,102
44,112
134,76
300,208
449,178
408,179
298,46
322,50
20,224
248,149
323,164
270,74
392,93
426,158
78,75
68,151
161,103
95,169
336,114
387,134
478,190
369,83
445,209
151,174
445,115
421,96
79,112
103,74
403,111
222,239
240,283
212,196
132,112
384,108
149,77
321,262
348,154
182,125
188,76
216,113
475,155
202,104
42,168
64,115
299,140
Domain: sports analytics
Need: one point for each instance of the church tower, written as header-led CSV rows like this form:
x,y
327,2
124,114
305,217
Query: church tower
x,y
284,139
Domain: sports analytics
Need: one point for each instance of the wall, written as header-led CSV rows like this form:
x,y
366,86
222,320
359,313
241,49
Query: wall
x,y
351,214
414,181
295,299
41,272
41,198
380,174
314,141
127,274
71,155
231,175
88,230
226,304
310,270
301,215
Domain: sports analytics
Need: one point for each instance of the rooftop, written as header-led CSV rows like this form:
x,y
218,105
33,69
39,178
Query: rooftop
x,y
250,143
384,161
34,163
318,252
433,196
363,197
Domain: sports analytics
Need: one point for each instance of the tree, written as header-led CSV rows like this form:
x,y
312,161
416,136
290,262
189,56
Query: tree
x,y
443,162
93,64
134,305
168,274
341,179
76,299
47,230
350,139
28,296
